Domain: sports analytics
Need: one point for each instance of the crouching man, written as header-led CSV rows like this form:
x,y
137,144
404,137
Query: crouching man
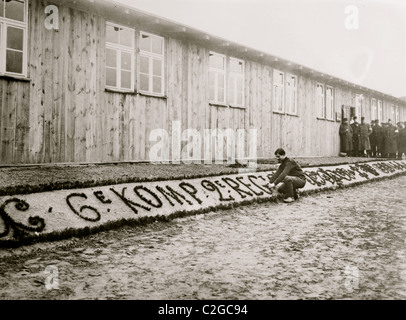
x,y
290,174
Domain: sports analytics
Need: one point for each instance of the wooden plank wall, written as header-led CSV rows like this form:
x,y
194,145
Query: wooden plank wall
x,y
14,115
63,114
65,95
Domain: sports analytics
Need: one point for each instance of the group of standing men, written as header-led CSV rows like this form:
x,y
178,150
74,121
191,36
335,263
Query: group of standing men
x,y
375,140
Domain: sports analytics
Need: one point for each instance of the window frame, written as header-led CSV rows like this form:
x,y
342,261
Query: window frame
x,y
380,110
330,105
359,98
392,115
374,109
233,79
288,93
5,23
397,114
151,56
322,98
119,49
281,87
218,72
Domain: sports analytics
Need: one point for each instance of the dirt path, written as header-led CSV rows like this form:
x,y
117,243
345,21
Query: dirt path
x,y
322,247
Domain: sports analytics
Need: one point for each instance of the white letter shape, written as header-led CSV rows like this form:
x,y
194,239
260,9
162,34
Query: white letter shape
x,y
352,280
52,280
351,21
52,21
191,152
162,146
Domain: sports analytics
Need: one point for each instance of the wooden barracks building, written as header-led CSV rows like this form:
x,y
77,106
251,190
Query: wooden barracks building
x,y
87,81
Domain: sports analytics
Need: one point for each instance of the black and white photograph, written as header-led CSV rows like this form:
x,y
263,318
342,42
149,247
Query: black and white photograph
x,y
202,154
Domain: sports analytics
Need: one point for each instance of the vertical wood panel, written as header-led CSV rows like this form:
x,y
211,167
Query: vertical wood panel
x,y
148,124
8,121
107,105
257,108
56,98
185,84
267,113
70,100
248,103
191,84
22,124
63,80
36,102
125,119
100,94
131,129
120,142
175,85
81,95
116,126
47,94
92,38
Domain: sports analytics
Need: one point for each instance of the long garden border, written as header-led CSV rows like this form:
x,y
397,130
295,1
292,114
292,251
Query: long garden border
x,y
46,215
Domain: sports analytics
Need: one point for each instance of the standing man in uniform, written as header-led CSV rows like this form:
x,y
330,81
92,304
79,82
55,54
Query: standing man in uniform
x,y
345,132
384,140
365,132
401,140
355,137
373,139
390,140
290,174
